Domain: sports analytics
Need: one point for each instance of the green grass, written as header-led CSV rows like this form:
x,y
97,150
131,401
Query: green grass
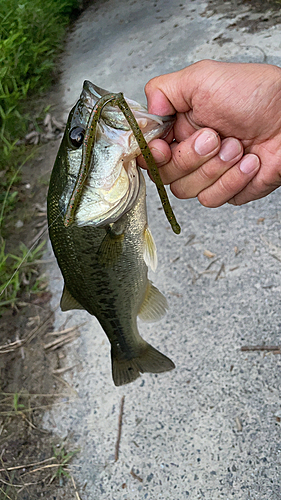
x,y
31,37
31,32
63,458
17,406
18,272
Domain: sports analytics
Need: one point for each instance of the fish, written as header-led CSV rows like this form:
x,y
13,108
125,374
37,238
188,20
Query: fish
x,y
105,252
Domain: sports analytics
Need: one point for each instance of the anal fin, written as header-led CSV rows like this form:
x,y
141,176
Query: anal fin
x,y
154,305
67,302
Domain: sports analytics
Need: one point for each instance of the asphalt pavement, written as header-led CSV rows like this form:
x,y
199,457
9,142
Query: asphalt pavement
x,y
210,429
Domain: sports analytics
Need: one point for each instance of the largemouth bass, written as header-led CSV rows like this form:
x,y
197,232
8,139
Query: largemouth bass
x,y
104,253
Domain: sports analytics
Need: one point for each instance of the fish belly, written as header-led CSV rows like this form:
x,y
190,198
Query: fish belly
x,y
111,288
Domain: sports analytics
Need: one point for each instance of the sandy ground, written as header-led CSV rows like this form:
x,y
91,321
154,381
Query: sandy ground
x,y
211,428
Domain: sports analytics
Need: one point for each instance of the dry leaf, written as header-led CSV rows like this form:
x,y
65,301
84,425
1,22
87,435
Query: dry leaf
x,y
209,254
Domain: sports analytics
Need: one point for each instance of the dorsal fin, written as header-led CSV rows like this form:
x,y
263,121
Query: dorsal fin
x,y
154,305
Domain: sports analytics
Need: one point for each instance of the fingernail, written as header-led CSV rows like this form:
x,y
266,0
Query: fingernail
x,y
206,142
230,149
249,164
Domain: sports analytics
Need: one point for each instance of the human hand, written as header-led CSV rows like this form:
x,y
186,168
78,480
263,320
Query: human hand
x,y
242,102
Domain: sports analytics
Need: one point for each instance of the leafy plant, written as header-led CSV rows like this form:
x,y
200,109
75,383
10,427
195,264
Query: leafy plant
x,y
17,406
31,35
63,459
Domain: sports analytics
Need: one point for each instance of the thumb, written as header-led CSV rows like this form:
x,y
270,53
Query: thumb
x,y
172,92
157,102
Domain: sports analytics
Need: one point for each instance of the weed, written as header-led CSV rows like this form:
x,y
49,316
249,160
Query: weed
x,y
16,405
17,272
63,458
17,478
8,490
31,34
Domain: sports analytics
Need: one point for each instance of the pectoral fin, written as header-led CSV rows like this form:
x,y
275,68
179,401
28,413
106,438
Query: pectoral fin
x,y
111,246
67,302
154,305
149,252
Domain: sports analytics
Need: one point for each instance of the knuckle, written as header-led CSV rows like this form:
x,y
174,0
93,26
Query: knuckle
x,y
208,172
181,159
206,201
225,185
148,86
178,190
152,84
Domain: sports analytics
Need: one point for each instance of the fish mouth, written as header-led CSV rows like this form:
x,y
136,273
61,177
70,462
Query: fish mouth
x,y
115,118
113,182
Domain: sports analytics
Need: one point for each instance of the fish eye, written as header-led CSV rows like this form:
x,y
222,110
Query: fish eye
x,y
76,136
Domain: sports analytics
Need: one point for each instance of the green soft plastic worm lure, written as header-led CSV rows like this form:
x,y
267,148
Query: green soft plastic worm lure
x,y
88,145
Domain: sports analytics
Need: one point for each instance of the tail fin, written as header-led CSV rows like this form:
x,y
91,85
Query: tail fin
x,y
149,359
